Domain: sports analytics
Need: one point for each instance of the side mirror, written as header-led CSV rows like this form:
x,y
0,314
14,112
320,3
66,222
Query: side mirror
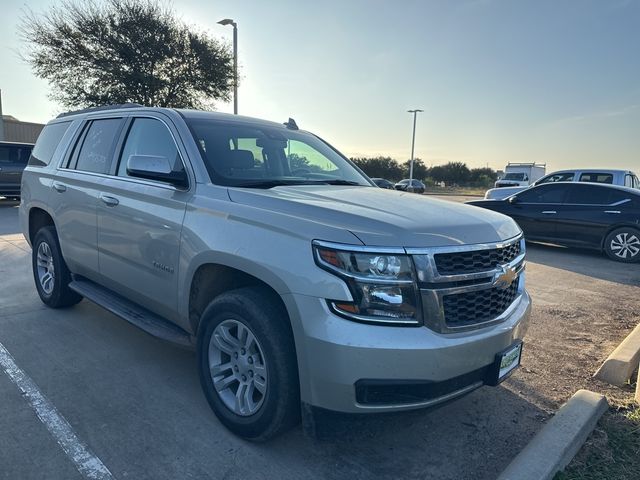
x,y
153,167
513,199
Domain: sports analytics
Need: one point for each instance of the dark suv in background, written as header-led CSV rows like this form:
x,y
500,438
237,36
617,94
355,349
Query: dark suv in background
x,y
13,160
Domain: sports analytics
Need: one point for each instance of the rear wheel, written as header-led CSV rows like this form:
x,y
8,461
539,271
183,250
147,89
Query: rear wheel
x,y
623,245
247,364
50,271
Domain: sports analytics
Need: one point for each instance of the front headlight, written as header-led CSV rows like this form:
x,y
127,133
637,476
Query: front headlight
x,y
381,282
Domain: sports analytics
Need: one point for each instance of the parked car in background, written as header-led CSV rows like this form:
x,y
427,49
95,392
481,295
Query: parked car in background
x,y
520,174
13,160
298,287
625,178
416,186
581,214
383,183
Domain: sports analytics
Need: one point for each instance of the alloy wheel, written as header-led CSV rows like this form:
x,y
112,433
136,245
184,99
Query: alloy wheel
x,y
238,368
625,245
46,269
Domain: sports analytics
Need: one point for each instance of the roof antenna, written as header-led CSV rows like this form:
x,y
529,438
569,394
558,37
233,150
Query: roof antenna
x,y
291,124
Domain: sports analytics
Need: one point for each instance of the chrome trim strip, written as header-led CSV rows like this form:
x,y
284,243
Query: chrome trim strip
x,y
368,319
359,248
463,248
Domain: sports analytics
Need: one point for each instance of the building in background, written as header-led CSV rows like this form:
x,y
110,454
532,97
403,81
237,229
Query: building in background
x,y
13,130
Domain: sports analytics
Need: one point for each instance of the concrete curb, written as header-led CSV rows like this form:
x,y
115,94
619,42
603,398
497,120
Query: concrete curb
x,y
559,440
618,368
638,388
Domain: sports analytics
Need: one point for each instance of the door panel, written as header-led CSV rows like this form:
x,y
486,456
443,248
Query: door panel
x,y
536,220
74,200
584,225
139,228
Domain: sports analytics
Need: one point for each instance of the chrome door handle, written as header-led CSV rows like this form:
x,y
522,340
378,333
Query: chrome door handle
x,y
109,201
549,212
59,187
612,211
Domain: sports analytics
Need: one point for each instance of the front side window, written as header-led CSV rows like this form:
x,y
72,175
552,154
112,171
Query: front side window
x,y
557,177
264,156
543,194
597,177
96,149
149,137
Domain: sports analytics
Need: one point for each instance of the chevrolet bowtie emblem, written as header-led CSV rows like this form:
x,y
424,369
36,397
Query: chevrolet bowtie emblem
x,y
504,278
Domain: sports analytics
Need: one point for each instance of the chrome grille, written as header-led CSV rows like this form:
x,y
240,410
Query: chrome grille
x,y
456,263
467,287
479,306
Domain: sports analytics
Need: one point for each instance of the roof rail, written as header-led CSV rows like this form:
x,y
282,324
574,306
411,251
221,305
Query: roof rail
x,y
98,109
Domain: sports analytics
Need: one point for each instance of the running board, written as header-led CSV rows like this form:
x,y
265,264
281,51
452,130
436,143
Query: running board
x,y
131,312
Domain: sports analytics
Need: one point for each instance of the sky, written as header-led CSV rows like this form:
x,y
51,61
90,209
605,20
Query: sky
x,y
547,81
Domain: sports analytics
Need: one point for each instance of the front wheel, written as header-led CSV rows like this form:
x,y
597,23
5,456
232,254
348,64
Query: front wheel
x,y
247,364
623,245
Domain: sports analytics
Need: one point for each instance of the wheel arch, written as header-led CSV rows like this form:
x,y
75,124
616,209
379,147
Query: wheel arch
x,y
38,218
211,278
615,227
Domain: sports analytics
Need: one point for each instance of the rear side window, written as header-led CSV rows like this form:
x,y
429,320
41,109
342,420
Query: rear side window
x,y
47,143
596,177
549,193
594,195
149,137
97,144
14,154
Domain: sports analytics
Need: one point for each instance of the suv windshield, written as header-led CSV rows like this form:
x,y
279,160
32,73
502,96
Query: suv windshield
x,y
264,157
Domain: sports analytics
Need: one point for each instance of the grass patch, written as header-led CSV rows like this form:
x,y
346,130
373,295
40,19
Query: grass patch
x,y
612,451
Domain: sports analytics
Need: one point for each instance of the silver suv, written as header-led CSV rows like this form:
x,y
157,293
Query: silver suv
x,y
298,282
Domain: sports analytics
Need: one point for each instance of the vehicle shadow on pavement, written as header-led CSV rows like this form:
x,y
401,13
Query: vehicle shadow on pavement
x,y
472,438
137,401
584,262
9,217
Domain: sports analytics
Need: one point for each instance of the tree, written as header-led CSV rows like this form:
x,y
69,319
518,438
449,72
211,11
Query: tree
x,y
120,51
420,170
482,177
382,167
455,173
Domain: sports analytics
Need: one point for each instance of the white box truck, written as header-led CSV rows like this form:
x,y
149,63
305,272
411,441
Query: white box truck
x,y
521,174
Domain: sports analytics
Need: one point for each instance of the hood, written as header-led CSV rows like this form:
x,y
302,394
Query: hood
x,y
381,217
504,192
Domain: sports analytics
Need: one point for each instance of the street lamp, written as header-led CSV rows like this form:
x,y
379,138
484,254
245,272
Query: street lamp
x,y
413,144
228,21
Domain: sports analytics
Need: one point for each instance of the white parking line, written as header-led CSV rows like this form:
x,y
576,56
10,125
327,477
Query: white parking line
x,y
85,461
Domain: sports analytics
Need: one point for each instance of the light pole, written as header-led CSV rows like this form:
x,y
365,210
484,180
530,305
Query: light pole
x,y
413,144
228,21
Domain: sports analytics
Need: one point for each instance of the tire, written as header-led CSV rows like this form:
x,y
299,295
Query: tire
x,y
272,405
46,259
623,245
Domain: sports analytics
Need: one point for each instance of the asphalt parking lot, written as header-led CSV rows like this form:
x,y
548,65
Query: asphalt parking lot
x,y
136,402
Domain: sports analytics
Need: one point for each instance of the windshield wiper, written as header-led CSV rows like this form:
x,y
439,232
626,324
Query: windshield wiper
x,y
272,183
280,183
339,181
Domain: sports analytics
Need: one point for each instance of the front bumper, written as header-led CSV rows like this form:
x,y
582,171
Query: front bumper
x,y
335,355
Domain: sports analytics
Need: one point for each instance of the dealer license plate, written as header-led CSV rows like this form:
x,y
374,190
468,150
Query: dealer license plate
x,y
509,361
